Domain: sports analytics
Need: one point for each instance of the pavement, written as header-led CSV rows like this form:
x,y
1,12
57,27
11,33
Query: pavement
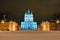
x,y
30,35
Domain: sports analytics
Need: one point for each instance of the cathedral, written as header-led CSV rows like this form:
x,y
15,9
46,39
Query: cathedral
x,y
28,23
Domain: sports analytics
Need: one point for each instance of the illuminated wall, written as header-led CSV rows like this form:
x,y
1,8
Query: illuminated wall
x,y
45,26
28,23
12,26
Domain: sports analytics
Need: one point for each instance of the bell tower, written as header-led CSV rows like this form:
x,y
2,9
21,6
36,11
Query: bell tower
x,y
28,16
28,23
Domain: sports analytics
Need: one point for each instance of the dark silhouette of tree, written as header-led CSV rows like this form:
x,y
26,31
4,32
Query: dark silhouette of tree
x,y
3,16
56,16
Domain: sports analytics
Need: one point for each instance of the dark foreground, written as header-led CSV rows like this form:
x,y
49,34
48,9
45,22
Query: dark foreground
x,y
30,35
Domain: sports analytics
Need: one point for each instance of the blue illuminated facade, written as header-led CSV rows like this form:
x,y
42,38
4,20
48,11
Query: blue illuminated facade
x,y
28,23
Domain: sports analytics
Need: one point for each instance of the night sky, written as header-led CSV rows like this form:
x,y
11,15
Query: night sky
x,y
42,9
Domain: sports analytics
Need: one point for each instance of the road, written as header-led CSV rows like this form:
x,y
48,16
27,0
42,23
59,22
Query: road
x,y
30,35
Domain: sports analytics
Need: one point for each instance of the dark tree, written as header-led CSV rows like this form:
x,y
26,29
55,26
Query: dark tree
x,y
3,16
56,16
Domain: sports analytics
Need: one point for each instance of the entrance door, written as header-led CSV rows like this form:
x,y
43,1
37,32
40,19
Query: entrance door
x,y
28,28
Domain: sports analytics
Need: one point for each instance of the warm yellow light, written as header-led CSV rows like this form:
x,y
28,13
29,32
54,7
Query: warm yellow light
x,y
2,21
44,27
14,28
57,21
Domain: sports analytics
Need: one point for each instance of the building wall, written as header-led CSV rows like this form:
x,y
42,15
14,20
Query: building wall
x,y
29,26
28,23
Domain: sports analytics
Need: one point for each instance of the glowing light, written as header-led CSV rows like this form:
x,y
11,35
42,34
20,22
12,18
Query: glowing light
x,y
45,26
14,28
57,21
2,21
28,23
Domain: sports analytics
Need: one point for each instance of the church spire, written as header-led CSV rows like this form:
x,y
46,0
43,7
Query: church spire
x,y
28,11
4,17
